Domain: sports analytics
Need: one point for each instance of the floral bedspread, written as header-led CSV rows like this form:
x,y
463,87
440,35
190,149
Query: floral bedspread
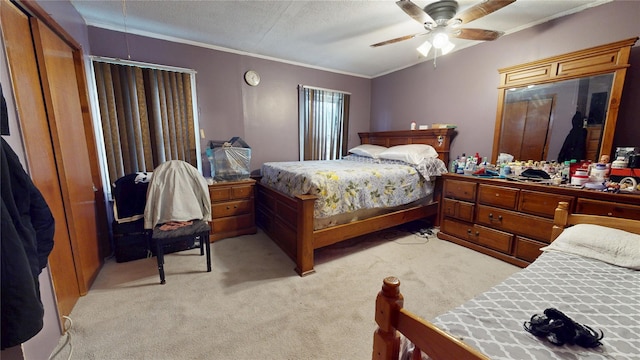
x,y
353,183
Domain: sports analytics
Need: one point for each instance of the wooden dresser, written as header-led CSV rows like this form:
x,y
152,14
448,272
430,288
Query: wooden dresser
x,y
232,209
512,220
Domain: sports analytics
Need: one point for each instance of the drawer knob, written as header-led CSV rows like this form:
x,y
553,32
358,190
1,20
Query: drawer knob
x,y
477,233
609,214
228,207
497,195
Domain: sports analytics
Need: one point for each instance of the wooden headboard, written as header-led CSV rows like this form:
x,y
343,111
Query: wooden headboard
x,y
563,219
440,139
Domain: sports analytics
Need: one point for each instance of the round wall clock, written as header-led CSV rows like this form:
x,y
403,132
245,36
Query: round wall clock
x,y
252,77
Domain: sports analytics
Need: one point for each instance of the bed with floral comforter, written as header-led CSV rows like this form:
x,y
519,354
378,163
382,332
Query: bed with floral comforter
x,y
353,183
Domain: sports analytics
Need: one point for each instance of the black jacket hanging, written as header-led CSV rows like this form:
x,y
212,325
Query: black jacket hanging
x,y
26,241
575,144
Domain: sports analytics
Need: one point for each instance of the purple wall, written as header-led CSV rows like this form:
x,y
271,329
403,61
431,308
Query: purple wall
x,y
265,116
69,19
463,88
628,126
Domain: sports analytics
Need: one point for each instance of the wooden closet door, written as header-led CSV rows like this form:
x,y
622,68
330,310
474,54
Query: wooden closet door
x,y
515,116
62,100
526,128
39,148
537,126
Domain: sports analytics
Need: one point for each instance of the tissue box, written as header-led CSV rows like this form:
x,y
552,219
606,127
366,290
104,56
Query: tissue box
x,y
229,159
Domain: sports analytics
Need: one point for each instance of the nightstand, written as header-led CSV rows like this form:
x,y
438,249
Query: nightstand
x,y
232,209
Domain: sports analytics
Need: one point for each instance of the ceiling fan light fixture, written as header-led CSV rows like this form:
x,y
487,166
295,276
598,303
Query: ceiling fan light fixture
x,y
424,48
455,23
440,40
447,48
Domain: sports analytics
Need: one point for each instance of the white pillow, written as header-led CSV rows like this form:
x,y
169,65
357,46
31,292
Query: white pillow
x,y
412,153
368,150
610,245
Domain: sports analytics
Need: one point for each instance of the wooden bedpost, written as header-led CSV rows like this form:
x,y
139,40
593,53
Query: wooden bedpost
x,y
304,235
386,341
560,219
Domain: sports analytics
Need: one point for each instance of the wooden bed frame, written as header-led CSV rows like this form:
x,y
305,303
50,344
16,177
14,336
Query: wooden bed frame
x,y
289,221
392,318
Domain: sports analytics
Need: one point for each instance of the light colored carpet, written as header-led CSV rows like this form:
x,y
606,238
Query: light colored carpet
x,y
254,306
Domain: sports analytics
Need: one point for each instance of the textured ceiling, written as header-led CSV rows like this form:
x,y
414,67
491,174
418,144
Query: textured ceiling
x,y
330,35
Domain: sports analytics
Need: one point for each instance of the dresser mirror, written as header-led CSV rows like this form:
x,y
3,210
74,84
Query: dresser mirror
x,y
539,103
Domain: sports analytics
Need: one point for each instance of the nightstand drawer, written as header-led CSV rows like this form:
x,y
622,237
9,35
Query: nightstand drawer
x,y
232,223
498,196
231,208
458,209
461,190
242,192
505,220
542,204
222,193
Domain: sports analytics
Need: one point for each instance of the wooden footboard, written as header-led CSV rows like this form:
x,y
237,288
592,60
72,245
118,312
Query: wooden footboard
x,y
392,318
289,223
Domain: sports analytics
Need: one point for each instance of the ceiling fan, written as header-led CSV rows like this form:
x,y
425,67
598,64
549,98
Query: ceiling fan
x,y
441,20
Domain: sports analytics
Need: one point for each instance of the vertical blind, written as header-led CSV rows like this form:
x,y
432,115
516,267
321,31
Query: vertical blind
x,y
146,115
324,123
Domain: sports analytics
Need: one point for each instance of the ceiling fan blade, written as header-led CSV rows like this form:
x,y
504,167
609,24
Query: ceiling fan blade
x,y
481,9
415,11
402,38
477,34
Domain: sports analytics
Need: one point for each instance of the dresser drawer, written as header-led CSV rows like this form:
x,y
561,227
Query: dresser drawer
x,y
223,193
542,204
494,239
458,209
461,190
510,221
527,249
458,229
498,196
232,223
603,208
231,208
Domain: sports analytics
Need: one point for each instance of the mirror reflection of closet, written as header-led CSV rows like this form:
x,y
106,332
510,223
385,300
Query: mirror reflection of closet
x,y
538,118
537,102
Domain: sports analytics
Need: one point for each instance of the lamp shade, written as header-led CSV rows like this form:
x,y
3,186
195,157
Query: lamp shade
x,y
447,48
424,48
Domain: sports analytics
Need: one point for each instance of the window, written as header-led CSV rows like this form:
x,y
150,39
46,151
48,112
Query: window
x,y
324,123
147,116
